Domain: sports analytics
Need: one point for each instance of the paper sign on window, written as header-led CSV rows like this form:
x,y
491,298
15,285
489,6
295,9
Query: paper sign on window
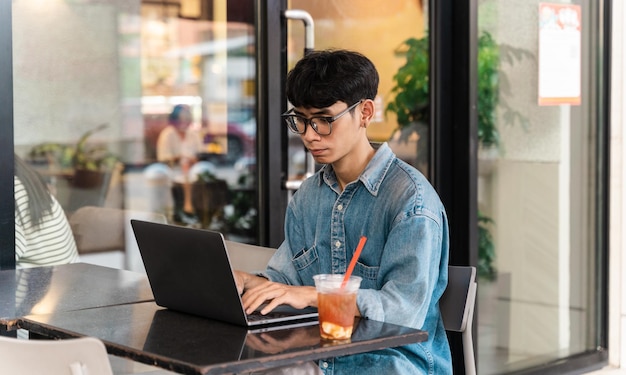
x,y
559,54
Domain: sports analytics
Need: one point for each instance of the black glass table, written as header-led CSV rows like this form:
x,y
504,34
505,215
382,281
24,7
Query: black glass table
x,y
188,344
68,287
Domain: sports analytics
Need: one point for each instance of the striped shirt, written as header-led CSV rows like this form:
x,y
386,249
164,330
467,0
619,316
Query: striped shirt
x,y
50,243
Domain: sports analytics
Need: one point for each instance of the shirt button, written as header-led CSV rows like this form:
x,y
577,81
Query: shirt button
x,y
337,244
324,364
340,207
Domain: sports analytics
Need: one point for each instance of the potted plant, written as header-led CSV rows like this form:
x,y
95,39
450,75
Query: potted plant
x,y
411,102
87,163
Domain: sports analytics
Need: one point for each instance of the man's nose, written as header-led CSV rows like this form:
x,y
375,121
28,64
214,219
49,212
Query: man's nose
x,y
309,134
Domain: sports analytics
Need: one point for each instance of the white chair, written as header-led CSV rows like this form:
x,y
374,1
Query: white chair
x,y
457,309
79,356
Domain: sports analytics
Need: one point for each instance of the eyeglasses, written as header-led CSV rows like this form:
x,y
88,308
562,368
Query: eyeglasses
x,y
321,124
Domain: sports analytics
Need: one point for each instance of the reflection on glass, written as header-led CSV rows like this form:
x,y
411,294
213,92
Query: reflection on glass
x,y
208,65
95,84
536,168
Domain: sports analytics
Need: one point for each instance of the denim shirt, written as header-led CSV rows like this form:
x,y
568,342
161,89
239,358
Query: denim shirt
x,y
404,264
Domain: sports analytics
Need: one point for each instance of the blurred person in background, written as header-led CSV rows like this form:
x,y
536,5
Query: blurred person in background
x,y
178,146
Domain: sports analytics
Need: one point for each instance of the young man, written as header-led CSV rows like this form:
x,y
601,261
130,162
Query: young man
x,y
362,190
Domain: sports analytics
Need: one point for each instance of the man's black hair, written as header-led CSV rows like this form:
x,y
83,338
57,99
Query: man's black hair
x,y
322,78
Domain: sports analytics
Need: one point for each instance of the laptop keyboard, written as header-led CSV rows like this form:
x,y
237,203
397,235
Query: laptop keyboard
x,y
257,316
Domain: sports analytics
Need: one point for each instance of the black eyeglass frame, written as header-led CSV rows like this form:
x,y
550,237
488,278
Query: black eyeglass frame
x,y
291,124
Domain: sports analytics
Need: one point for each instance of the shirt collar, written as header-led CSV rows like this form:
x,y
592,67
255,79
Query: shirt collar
x,y
373,174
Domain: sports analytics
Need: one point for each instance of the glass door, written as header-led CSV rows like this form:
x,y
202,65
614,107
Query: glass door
x,y
342,25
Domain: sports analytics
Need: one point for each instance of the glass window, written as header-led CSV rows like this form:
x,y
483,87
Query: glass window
x,y
537,184
145,107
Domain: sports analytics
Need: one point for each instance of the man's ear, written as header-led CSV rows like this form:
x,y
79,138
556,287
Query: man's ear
x,y
368,108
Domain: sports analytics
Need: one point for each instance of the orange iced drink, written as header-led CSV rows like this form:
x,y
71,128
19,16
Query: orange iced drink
x,y
336,305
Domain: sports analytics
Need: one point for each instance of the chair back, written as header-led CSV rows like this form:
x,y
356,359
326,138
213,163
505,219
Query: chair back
x,y
98,229
457,309
79,356
248,258
105,230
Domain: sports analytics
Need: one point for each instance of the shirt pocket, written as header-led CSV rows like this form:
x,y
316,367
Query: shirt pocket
x,y
307,263
369,275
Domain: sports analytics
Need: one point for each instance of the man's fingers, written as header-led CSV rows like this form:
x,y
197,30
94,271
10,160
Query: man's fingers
x,y
269,292
275,294
274,302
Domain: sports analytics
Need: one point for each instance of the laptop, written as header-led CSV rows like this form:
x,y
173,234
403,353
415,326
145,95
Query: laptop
x,y
189,271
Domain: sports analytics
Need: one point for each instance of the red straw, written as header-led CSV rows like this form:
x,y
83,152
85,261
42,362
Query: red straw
x,y
355,257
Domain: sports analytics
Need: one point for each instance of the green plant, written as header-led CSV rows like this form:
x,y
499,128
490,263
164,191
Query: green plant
x,y
491,83
78,156
234,207
486,248
411,98
243,218
488,90
411,91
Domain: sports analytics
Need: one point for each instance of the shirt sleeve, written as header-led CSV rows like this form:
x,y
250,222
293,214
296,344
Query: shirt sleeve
x,y
409,274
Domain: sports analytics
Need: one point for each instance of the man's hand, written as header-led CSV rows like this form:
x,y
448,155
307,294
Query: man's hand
x,y
257,291
245,281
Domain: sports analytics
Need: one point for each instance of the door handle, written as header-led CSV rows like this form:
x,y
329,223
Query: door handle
x,y
309,34
309,42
